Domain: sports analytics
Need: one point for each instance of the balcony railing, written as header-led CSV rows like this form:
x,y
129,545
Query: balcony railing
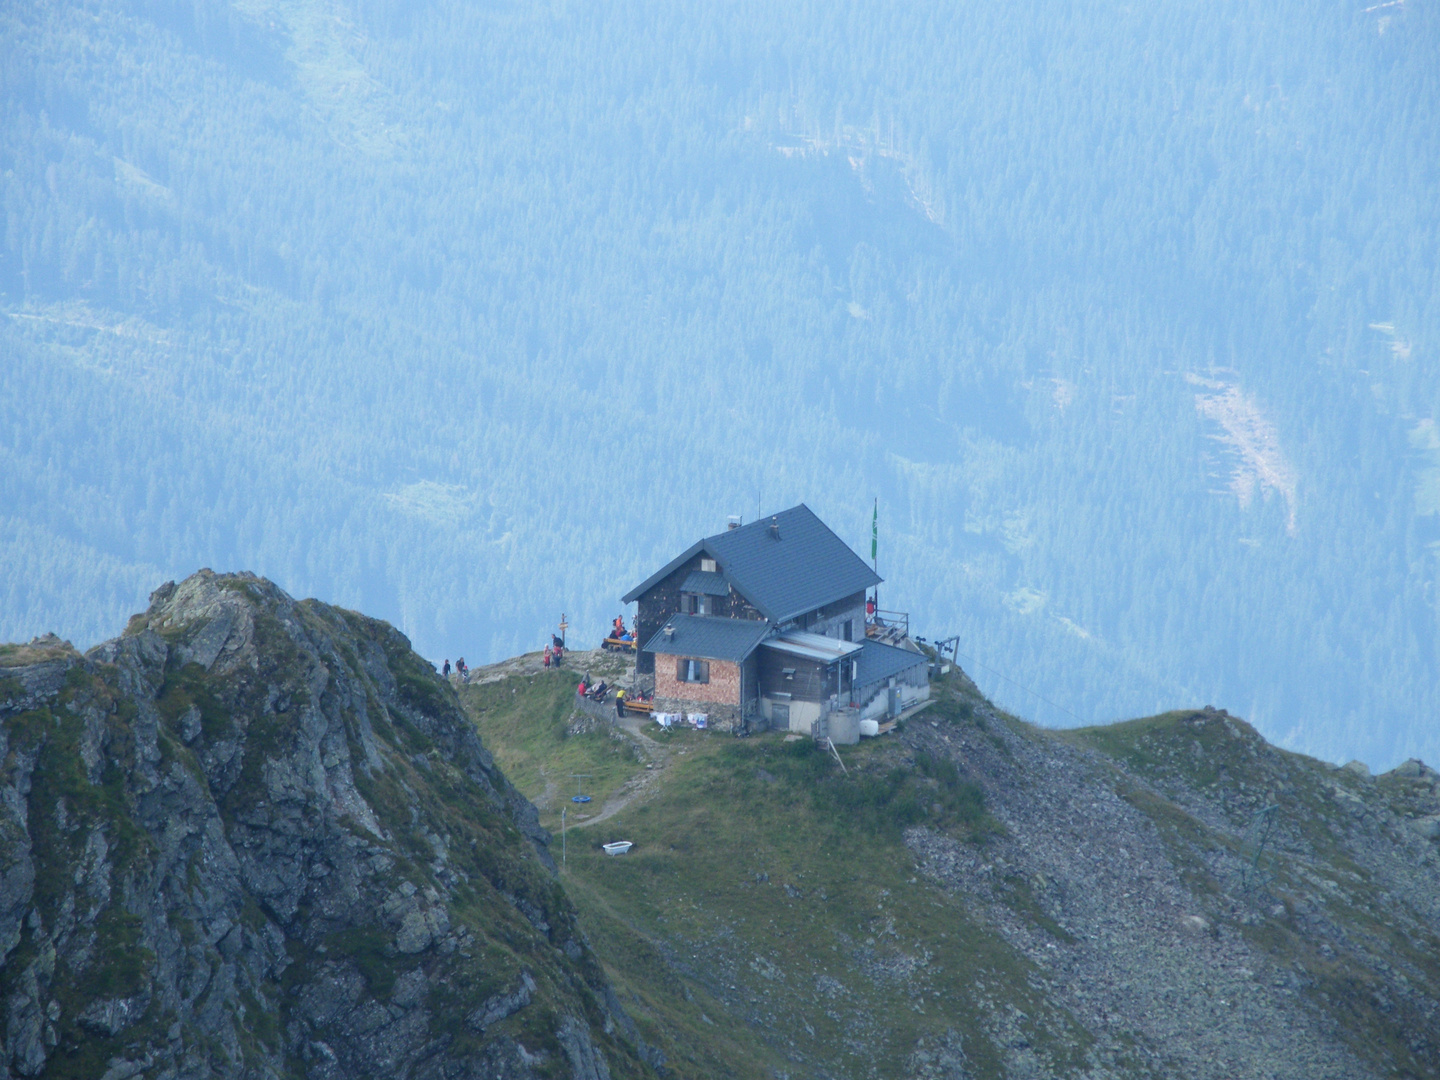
x,y
888,625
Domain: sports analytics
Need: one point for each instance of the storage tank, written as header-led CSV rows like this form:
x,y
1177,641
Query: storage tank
x,y
869,728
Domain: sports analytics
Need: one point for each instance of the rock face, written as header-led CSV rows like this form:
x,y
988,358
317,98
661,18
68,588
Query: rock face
x,y
255,837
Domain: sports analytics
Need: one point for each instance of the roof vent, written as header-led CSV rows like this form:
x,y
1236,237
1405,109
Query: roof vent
x,y
732,522
669,631
775,527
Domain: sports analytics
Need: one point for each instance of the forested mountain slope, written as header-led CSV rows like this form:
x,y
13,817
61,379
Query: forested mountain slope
x,y
469,315
254,837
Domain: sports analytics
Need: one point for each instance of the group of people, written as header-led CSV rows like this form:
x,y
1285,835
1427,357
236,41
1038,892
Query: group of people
x,y
554,652
593,691
554,655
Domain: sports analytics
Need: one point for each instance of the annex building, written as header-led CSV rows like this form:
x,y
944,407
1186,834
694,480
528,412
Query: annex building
x,y
765,626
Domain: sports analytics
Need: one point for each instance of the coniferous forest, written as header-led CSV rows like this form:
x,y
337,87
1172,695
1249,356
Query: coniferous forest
x,y
471,314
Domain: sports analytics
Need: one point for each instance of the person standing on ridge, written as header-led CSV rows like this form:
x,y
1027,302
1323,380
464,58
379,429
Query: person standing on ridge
x,y
549,651
445,671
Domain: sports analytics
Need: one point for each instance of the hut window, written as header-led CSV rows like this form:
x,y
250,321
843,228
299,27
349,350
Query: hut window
x,y
692,671
707,566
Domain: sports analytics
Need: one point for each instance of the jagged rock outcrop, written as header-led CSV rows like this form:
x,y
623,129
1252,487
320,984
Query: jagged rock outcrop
x,y
257,837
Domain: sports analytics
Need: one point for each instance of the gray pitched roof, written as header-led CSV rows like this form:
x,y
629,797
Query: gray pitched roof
x,y
709,637
798,567
879,661
702,581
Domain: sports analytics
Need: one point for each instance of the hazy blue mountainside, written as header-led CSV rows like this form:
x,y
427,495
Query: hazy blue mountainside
x,y
467,315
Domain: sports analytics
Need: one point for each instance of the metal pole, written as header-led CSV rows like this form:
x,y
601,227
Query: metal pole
x,y
875,553
563,860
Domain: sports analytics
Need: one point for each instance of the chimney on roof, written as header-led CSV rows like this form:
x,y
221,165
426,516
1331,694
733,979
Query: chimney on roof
x,y
732,522
669,631
775,527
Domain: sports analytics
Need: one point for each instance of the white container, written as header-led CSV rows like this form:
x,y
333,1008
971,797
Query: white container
x,y
619,847
869,728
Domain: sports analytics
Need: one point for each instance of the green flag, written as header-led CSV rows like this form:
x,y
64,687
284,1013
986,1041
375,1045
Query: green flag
x,y
875,530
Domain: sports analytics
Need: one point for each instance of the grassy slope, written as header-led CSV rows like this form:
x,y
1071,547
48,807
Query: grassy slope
x,y
526,721
793,930
769,920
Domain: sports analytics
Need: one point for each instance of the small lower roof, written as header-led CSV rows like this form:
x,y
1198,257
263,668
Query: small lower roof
x,y
709,637
812,646
703,581
878,662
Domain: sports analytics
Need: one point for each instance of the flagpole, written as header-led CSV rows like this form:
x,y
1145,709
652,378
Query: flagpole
x,y
874,550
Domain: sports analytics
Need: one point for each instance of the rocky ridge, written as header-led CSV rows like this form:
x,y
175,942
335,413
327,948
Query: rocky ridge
x,y
1199,902
257,837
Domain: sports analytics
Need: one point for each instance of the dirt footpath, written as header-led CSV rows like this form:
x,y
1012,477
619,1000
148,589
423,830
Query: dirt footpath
x,y
643,782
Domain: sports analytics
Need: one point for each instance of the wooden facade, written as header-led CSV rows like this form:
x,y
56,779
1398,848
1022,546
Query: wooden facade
x,y
801,679
654,608
834,619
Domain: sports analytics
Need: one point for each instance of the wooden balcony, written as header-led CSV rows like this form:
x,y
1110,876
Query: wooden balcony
x,y
889,627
